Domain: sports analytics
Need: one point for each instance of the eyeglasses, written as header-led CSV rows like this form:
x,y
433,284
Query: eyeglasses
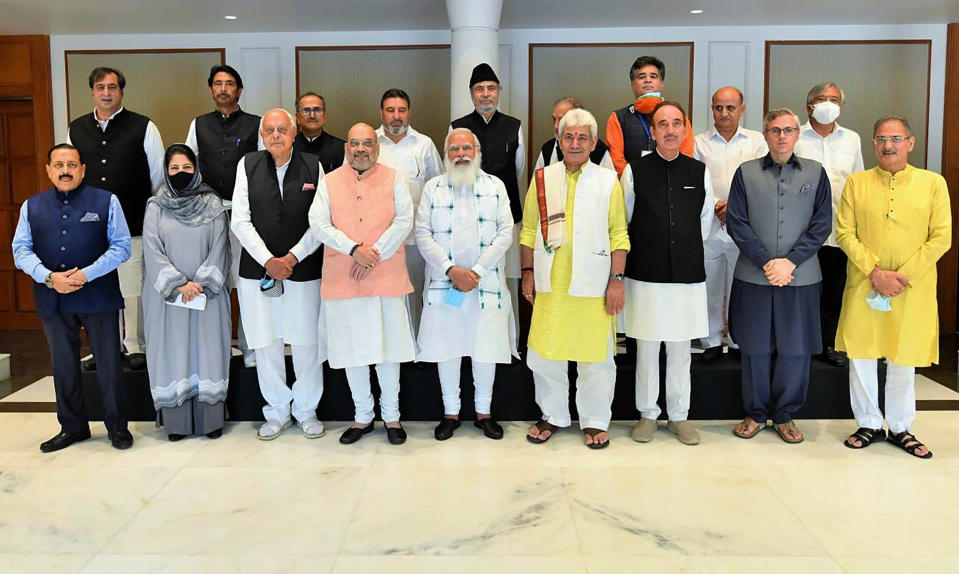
x,y
456,148
882,140
314,111
784,131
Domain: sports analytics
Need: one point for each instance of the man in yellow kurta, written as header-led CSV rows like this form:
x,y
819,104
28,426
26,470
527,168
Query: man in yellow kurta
x,y
573,275
894,223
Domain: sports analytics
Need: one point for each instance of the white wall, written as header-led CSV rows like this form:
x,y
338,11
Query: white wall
x,y
722,55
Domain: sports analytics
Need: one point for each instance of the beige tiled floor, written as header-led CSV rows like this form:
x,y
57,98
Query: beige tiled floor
x,y
474,505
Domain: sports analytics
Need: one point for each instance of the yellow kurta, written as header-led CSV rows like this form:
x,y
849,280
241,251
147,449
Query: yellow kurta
x,y
898,222
563,327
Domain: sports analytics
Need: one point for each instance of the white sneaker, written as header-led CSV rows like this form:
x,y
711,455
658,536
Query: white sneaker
x,y
312,428
272,429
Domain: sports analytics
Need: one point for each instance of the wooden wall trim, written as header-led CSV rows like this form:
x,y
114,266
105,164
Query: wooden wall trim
x,y
948,266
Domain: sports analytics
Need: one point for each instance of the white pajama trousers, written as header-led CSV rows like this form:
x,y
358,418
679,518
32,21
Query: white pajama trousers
x,y
677,379
900,394
483,376
594,390
307,390
720,264
388,376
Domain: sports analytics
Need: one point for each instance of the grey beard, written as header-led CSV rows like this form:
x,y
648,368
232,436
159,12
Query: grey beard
x,y
462,175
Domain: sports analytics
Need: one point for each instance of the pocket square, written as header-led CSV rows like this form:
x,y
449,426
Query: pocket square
x,y
90,216
308,187
805,188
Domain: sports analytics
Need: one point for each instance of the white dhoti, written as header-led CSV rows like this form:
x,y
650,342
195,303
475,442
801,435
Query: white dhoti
x,y
595,385
664,312
720,261
275,321
130,274
900,404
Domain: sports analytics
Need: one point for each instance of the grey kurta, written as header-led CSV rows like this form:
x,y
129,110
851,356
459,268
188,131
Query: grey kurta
x,y
188,351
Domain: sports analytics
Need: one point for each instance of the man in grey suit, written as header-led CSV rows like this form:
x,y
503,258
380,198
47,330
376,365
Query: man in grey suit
x,y
779,214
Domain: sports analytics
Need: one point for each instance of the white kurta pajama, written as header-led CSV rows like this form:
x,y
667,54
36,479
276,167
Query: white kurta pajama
x,y
363,331
670,313
273,322
469,227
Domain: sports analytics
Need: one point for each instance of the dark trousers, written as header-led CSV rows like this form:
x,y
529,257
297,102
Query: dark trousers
x,y
832,262
777,396
63,335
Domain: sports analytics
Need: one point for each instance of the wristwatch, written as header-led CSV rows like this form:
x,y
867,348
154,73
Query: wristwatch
x,y
48,281
619,276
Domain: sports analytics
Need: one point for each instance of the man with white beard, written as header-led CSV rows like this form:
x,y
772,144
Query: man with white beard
x,y
363,213
407,150
463,229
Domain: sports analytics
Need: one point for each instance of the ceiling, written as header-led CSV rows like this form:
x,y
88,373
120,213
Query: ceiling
x,y
206,16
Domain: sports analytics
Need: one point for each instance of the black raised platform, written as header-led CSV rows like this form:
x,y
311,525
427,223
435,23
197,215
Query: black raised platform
x,y
715,392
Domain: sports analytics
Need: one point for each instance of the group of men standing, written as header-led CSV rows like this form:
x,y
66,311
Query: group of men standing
x,y
375,250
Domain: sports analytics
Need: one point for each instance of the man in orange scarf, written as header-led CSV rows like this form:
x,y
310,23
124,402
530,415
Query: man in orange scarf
x,y
627,129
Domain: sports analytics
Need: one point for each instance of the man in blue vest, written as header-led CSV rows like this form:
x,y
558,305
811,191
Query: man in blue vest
x,y
70,240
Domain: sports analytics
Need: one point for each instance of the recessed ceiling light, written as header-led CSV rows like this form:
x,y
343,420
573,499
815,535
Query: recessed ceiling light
x,y
234,17
695,11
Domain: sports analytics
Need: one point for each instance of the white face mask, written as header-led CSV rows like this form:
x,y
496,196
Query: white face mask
x,y
825,112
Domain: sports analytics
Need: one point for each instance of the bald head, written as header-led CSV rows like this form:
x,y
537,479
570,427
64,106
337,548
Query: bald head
x,y
728,107
361,147
278,128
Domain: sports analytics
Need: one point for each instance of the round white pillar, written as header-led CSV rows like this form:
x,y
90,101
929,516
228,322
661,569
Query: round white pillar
x,y
475,39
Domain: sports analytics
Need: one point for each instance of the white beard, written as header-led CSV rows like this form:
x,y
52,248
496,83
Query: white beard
x,y
463,175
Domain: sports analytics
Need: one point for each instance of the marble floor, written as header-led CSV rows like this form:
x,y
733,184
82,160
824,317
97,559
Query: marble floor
x,y
475,505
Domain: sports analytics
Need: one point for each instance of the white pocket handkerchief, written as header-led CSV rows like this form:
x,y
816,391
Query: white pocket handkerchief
x,y
90,216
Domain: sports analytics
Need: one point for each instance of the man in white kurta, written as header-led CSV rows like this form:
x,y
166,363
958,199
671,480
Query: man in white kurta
x,y
415,154
266,221
723,149
464,228
363,213
670,211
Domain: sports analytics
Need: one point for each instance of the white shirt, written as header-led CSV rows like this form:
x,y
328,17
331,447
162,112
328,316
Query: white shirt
x,y
606,162
242,225
722,159
152,147
840,153
414,155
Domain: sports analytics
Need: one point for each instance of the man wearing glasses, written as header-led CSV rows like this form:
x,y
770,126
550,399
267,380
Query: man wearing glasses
x,y
311,118
839,150
415,154
894,223
220,139
779,214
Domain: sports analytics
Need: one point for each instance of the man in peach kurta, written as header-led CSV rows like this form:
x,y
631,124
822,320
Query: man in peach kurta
x,y
894,223
363,213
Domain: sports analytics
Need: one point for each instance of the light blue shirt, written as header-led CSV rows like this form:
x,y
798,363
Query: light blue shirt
x,y
118,235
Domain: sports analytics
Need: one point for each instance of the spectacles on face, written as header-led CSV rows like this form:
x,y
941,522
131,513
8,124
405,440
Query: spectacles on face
x,y
365,143
776,132
882,140
71,165
312,111
456,148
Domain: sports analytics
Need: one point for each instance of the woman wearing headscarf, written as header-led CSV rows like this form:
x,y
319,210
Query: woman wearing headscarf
x,y
186,304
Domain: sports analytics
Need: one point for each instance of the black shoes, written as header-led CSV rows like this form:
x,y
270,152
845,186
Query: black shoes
x,y
490,428
445,429
712,354
395,435
136,361
63,440
352,435
834,357
121,440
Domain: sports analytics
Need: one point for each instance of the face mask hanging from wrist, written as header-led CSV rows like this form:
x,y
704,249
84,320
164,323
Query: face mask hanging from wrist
x,y
825,112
